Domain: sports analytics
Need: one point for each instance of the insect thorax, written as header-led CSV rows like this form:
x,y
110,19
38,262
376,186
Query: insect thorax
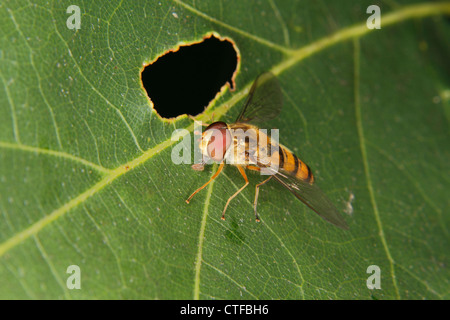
x,y
250,146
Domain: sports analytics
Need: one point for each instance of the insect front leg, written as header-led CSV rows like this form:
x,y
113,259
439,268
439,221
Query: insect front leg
x,y
242,171
212,178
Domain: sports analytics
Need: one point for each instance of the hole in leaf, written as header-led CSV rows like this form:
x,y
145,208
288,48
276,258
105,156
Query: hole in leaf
x,y
184,81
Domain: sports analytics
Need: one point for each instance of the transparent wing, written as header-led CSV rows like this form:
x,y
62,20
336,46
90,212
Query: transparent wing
x,y
264,100
308,193
313,197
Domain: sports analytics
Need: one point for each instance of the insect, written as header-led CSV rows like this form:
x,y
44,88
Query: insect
x,y
240,144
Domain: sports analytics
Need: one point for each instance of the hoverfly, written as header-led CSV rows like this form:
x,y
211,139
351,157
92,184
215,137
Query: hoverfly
x,y
239,144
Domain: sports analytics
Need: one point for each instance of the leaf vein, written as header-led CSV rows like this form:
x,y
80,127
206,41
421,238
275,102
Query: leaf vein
x,y
51,267
396,16
119,113
60,154
41,91
201,238
234,29
365,160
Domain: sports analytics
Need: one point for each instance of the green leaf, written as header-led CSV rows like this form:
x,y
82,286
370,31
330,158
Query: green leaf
x,y
87,178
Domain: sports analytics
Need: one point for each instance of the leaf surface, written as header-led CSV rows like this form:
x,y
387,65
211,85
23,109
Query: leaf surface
x,y
87,178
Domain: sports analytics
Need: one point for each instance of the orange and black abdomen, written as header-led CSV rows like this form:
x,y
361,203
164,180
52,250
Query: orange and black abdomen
x,y
290,163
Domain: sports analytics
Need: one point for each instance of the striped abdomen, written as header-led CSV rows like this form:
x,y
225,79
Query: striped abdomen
x,y
251,144
290,163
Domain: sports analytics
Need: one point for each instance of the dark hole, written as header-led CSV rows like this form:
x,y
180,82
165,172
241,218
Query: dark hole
x,y
185,81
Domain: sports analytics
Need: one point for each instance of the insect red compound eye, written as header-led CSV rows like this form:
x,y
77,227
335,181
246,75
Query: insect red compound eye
x,y
219,142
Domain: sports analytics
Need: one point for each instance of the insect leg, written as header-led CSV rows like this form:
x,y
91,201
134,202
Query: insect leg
x,y
254,168
212,178
256,196
242,171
